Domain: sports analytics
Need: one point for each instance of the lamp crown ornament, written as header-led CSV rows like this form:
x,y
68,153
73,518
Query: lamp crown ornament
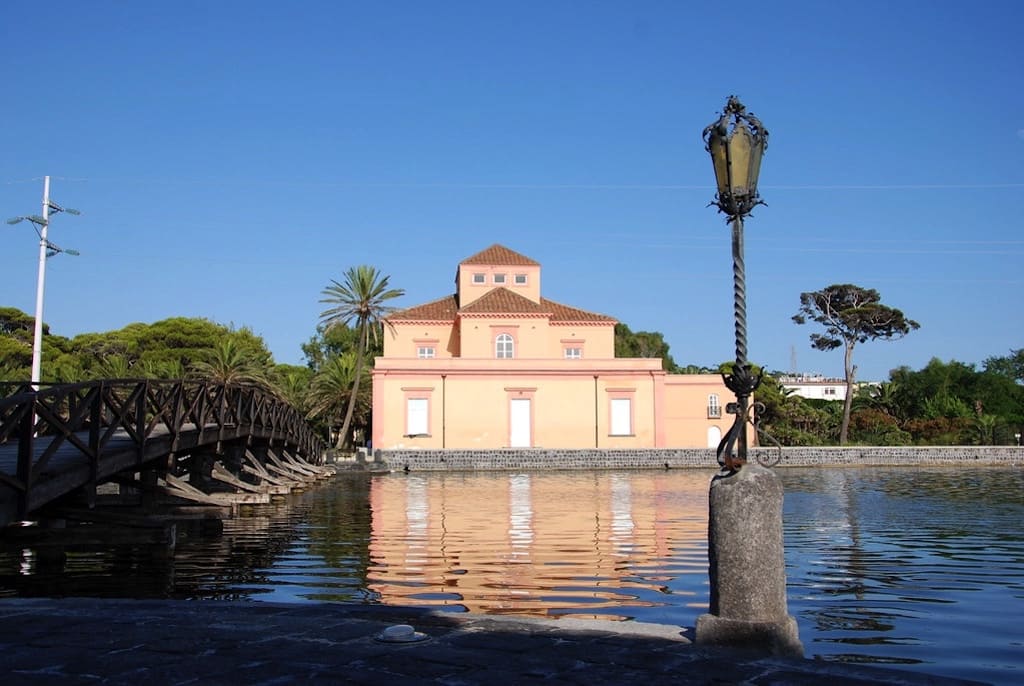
x,y
736,141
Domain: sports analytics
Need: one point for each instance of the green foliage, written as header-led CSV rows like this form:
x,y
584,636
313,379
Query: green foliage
x,y
942,403
17,324
1011,366
339,339
360,298
870,426
164,349
113,367
643,344
851,315
233,361
291,382
790,419
693,369
16,354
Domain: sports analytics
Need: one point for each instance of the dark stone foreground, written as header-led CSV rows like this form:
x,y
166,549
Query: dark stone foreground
x,y
152,642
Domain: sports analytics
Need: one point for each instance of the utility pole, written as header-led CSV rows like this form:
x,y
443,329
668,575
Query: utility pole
x,y
46,250
37,338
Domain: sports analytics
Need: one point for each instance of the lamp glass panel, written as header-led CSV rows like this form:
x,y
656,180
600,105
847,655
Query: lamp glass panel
x,y
755,163
739,160
720,160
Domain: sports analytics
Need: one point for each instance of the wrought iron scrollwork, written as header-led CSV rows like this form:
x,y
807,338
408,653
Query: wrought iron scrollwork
x,y
730,460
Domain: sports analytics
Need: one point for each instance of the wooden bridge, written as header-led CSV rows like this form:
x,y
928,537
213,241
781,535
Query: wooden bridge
x,y
192,441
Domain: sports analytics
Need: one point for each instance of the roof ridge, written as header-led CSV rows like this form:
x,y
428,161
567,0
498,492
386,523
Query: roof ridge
x,y
503,300
498,254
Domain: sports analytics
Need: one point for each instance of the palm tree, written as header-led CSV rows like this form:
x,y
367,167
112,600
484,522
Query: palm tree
x,y
328,392
231,364
361,297
114,367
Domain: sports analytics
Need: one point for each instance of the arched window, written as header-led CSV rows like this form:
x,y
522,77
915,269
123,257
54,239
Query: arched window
x,y
504,347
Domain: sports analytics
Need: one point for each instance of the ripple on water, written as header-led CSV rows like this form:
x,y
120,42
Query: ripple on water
x,y
914,568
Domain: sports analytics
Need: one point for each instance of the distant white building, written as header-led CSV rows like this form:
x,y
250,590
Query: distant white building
x,y
815,387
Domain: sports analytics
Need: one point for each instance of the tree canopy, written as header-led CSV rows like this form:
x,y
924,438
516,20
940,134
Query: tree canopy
x,y
851,315
1011,366
643,344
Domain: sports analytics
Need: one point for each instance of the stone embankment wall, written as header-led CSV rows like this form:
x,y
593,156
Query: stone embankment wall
x,y
702,458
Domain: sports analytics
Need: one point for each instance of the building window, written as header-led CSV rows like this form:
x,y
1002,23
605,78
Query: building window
x,y
714,408
425,352
520,279
479,278
499,278
417,414
574,353
830,391
622,417
504,347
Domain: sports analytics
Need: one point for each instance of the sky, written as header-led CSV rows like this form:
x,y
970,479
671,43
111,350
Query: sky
x,y
231,158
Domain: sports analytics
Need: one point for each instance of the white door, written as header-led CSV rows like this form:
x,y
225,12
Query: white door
x,y
714,436
519,423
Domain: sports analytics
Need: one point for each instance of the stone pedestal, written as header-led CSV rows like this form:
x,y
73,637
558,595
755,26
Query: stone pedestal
x,y
747,566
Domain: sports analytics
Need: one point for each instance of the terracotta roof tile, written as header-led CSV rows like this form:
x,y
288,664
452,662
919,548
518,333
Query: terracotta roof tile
x,y
504,301
500,255
440,310
564,313
497,301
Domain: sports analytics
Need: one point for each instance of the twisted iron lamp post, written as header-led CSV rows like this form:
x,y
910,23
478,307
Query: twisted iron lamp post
x,y
736,142
746,562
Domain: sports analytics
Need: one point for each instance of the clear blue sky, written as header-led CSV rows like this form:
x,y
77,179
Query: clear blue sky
x,y
230,158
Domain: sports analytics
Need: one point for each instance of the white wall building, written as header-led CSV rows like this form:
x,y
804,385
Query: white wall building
x,y
815,387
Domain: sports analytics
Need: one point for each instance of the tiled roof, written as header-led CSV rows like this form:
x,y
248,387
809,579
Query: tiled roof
x,y
564,313
504,301
440,310
497,301
500,255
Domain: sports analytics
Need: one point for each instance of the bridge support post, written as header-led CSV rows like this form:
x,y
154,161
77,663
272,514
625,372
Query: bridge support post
x,y
149,478
201,469
233,457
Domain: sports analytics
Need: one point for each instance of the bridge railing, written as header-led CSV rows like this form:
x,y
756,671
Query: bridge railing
x,y
86,416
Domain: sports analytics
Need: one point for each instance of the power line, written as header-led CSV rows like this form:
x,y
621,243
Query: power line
x,y
527,186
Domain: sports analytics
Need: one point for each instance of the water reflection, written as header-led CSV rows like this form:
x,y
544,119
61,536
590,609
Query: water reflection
x,y
920,568
909,567
584,545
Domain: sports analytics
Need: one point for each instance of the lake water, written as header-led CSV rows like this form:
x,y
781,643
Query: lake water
x,y
919,569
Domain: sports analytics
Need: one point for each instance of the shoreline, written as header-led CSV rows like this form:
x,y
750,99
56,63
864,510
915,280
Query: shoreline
x,y
683,458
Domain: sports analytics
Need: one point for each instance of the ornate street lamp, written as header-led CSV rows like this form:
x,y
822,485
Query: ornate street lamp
x,y
746,561
736,142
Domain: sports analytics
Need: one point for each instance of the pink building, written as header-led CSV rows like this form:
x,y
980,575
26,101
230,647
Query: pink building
x,y
497,365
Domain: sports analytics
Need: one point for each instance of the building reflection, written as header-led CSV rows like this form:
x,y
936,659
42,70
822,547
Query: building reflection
x,y
585,544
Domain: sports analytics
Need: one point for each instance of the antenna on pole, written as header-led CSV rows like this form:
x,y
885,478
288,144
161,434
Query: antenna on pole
x,y
792,360
46,249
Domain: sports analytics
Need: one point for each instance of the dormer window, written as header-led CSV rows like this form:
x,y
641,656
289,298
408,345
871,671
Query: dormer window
x,y
519,279
479,278
499,278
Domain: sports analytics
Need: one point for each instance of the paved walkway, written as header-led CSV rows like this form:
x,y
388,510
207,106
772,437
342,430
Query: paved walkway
x,y
154,642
